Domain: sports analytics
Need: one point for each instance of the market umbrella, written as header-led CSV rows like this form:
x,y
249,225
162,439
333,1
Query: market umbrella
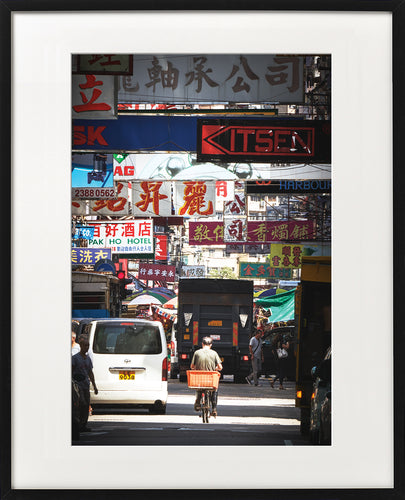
x,y
145,299
267,293
171,304
162,297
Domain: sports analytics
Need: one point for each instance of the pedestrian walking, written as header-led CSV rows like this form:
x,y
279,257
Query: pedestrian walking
x,y
82,373
75,345
280,353
256,356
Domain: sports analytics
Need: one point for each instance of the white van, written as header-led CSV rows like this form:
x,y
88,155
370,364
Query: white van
x,y
129,363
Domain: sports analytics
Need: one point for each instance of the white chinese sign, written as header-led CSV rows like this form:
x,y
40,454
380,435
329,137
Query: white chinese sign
x,y
119,205
152,198
93,96
193,272
194,198
214,78
134,236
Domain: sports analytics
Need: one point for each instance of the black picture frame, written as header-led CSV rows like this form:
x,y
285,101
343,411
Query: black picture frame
x,y
397,8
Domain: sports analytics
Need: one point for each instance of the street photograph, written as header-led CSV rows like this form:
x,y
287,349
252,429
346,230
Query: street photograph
x,y
201,249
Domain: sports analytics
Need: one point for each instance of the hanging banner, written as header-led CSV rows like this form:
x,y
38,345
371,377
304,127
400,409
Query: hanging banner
x,y
289,256
214,78
152,199
206,233
273,231
262,270
194,198
161,247
156,272
134,236
258,232
94,97
91,171
89,256
264,141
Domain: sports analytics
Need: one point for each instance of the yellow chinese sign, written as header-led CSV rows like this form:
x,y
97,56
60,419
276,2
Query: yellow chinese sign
x,y
286,255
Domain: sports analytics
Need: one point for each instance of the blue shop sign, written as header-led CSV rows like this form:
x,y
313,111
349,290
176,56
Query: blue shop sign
x,y
84,233
89,256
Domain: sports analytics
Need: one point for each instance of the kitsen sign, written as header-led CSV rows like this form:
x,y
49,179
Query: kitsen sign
x,y
268,141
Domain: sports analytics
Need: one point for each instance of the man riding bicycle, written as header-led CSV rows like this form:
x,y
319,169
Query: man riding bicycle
x,y
208,360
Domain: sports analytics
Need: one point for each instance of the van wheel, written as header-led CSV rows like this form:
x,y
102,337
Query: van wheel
x,y
158,409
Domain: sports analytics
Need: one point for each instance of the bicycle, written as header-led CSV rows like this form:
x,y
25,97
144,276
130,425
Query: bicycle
x,y
207,383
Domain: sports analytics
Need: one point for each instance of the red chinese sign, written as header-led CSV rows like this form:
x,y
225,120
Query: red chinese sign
x,y
161,247
156,272
212,233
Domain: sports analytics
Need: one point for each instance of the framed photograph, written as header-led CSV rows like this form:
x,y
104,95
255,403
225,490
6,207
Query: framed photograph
x,y
364,40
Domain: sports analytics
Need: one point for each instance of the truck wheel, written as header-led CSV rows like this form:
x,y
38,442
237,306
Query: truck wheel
x,y
238,379
183,377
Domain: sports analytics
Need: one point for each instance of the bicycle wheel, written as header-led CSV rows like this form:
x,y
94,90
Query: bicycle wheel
x,y
205,407
203,404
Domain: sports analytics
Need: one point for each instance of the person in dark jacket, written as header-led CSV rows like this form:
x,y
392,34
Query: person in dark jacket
x,y
281,362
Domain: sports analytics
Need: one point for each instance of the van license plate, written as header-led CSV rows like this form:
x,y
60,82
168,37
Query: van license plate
x,y
127,375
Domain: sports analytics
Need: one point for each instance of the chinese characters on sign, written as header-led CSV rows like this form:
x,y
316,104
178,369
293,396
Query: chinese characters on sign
x,y
151,198
286,256
93,97
124,237
194,198
89,256
258,270
215,78
117,205
156,272
192,272
102,64
235,220
161,247
212,233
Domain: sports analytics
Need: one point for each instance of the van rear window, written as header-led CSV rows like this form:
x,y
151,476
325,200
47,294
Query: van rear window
x,y
135,338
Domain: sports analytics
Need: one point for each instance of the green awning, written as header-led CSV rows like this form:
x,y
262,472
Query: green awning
x,y
282,306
